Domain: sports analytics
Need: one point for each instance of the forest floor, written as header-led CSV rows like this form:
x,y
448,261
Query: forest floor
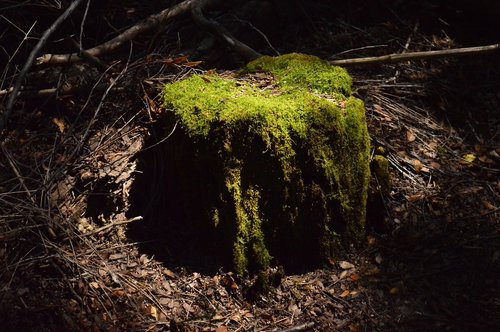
x,y
431,261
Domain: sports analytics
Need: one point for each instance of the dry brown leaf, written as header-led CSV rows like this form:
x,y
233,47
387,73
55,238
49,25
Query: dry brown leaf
x,y
168,273
354,277
488,205
417,165
410,137
394,291
346,265
187,307
60,124
345,293
102,272
94,285
153,312
236,318
113,257
435,165
144,259
192,63
218,316
221,328
416,197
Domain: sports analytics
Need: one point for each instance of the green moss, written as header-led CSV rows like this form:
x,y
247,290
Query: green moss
x,y
304,71
277,147
380,168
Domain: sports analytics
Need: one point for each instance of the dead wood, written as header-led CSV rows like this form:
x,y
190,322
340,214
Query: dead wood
x,y
393,58
145,25
65,90
31,58
243,50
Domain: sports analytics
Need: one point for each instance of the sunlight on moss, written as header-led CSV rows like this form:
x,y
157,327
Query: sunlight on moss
x,y
304,71
319,143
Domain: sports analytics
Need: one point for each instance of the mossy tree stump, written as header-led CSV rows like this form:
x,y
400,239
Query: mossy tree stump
x,y
270,163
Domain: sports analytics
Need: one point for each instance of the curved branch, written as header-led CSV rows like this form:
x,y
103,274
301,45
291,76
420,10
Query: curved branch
x,y
223,35
147,24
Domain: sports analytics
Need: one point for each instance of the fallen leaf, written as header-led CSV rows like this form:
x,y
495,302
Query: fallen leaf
x,y
153,312
221,328
168,273
435,165
60,124
144,259
468,159
410,137
192,63
354,277
94,285
102,272
378,258
345,293
394,291
417,165
488,205
113,257
346,265
236,318
218,316
415,198
187,307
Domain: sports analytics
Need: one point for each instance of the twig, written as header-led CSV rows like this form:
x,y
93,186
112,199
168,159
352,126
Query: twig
x,y
16,171
147,24
393,58
116,223
298,328
31,58
62,91
223,35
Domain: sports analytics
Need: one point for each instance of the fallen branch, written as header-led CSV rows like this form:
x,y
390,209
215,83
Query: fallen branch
x,y
299,328
108,226
223,35
42,93
12,98
393,58
145,25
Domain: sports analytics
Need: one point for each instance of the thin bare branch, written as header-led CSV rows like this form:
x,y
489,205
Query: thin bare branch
x,y
223,35
147,24
393,58
12,98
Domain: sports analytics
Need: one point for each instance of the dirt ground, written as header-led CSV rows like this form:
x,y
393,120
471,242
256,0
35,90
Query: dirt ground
x,y
69,257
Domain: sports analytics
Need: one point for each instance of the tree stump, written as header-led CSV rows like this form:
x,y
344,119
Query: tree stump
x,y
267,166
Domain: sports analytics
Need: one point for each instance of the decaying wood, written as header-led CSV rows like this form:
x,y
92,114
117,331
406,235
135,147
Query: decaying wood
x,y
145,25
393,58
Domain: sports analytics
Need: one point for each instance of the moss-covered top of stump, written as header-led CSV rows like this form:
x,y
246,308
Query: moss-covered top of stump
x,y
292,147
